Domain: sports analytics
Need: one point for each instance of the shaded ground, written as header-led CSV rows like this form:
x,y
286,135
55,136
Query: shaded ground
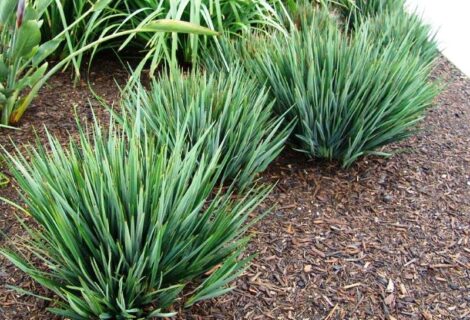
x,y
385,239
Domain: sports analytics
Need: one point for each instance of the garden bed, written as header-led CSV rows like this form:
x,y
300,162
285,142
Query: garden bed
x,y
384,239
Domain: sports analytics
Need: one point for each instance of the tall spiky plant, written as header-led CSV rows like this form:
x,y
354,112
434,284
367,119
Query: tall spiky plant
x,y
351,93
231,106
357,10
399,26
126,225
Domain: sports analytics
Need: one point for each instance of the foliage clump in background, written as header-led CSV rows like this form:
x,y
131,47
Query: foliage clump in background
x,y
230,105
394,26
355,11
125,226
351,93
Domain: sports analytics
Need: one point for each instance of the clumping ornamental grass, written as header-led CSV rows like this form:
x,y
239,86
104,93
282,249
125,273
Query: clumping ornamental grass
x,y
357,10
400,26
388,21
236,112
126,227
350,93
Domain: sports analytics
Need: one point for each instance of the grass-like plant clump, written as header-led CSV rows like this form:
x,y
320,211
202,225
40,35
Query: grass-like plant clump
x,y
357,10
125,226
388,21
236,111
399,26
351,93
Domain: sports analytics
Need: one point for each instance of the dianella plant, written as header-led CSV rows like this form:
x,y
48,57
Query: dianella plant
x,y
357,10
351,94
230,106
128,227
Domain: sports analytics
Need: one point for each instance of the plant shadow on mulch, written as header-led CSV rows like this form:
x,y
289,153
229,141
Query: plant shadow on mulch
x,y
385,239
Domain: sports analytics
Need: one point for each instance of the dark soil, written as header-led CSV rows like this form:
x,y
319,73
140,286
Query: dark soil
x,y
385,239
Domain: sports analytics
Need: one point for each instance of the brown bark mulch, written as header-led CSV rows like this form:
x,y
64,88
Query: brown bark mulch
x,y
385,239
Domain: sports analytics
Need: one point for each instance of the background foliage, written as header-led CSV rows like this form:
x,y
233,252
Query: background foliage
x,y
351,94
233,17
21,55
22,73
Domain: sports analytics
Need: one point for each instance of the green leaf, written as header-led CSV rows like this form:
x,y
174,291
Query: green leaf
x,y
159,314
32,79
3,70
168,25
351,92
30,14
17,260
45,50
41,6
28,37
100,5
7,9
239,111
168,295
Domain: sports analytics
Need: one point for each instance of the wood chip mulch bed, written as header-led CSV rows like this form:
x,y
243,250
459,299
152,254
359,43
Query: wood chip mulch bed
x,y
385,239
